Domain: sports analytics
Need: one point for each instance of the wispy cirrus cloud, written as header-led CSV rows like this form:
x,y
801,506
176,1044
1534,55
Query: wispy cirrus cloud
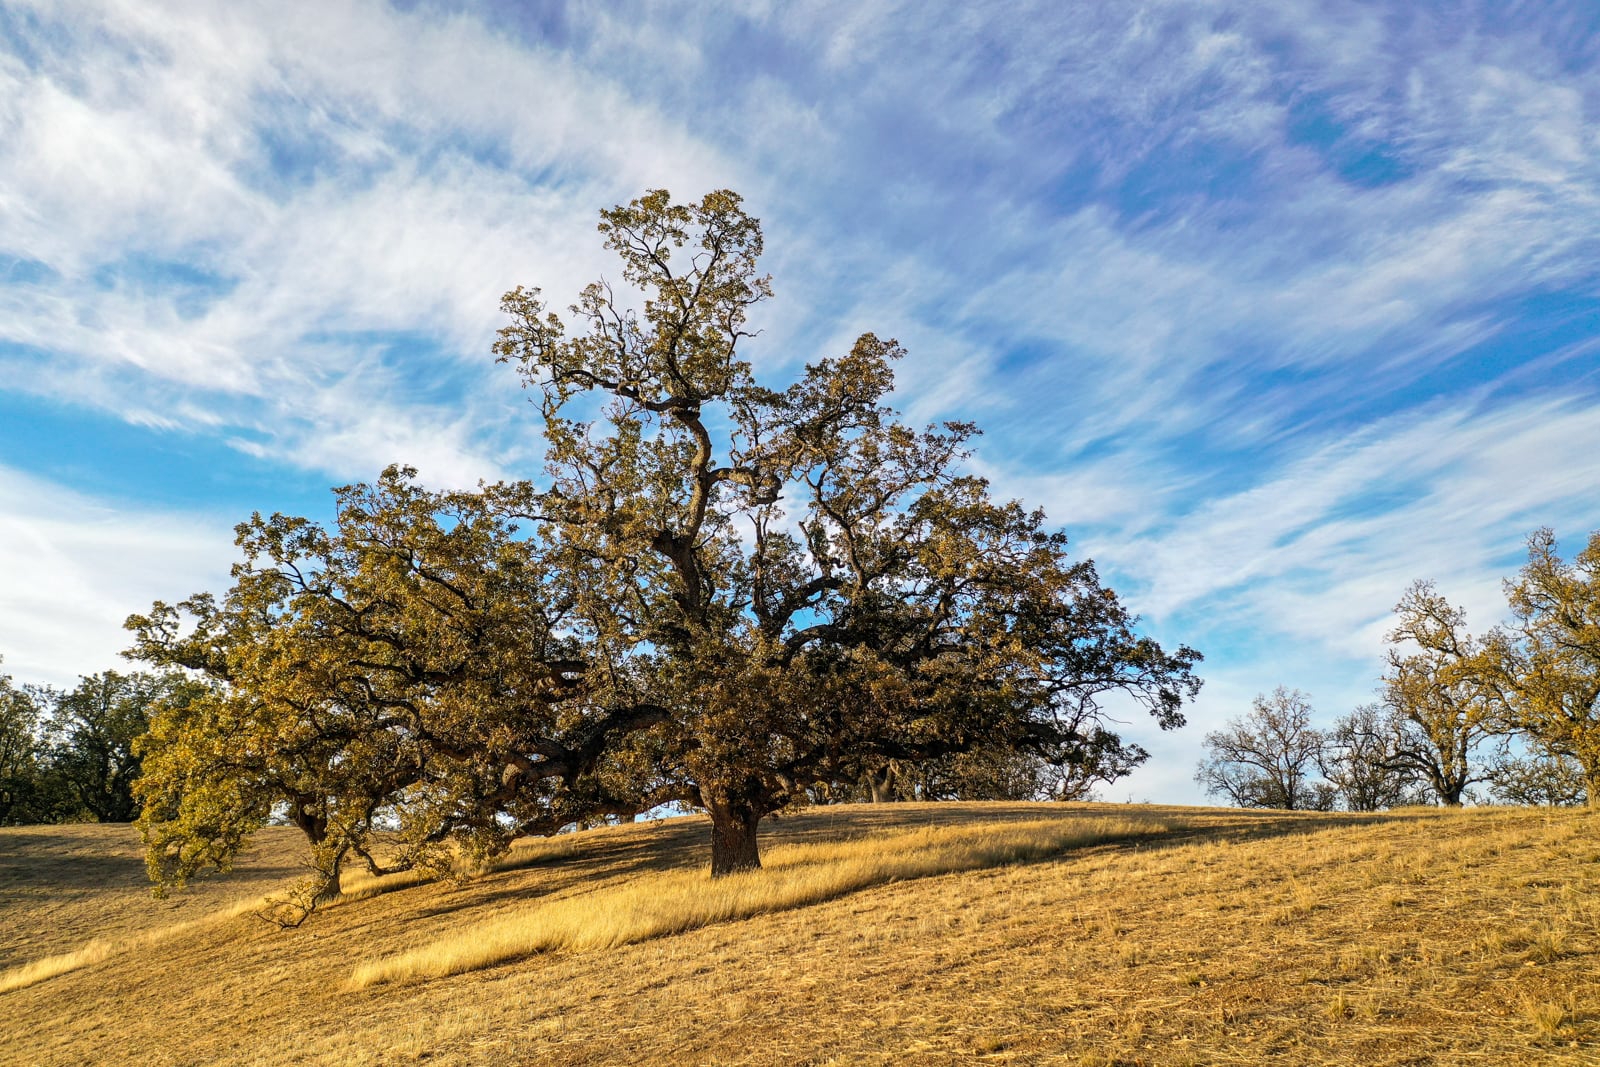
x,y
196,246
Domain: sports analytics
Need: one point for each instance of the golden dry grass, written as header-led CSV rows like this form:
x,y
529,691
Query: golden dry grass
x,y
661,904
1229,938
59,882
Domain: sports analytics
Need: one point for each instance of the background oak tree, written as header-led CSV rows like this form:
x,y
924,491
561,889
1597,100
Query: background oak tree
x,y
93,730
25,794
1442,701
1361,760
1547,662
1268,758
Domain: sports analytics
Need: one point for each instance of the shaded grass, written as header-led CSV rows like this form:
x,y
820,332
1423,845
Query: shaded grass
x,y
663,904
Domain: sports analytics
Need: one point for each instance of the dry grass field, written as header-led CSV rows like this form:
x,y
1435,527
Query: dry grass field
x,y
1073,934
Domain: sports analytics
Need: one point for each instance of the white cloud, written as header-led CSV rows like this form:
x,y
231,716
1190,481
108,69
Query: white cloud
x,y
396,226
1320,551
73,568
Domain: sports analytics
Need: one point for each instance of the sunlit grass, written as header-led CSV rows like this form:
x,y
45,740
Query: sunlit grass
x,y
41,970
661,904
98,951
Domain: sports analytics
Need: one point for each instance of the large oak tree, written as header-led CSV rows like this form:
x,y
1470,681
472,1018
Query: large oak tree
x,y
807,585
723,594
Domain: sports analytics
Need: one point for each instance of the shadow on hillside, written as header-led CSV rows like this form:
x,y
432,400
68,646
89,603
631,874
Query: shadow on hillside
x,y
609,854
1242,826
71,860
684,841
606,855
85,859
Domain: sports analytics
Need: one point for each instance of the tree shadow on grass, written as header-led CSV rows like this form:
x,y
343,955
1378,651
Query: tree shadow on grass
x,y
590,860
76,860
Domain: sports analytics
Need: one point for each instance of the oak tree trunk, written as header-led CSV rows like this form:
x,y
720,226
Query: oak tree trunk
x,y
733,836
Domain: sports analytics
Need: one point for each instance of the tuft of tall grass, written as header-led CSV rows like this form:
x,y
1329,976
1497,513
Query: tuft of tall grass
x,y
27,974
24,975
672,902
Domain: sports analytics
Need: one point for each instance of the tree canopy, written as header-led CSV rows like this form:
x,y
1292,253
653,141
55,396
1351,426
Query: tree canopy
x,y
22,798
722,594
1547,663
70,755
94,731
1442,703
825,590
406,670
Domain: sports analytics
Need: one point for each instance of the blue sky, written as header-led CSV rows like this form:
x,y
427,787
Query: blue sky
x,y
1274,308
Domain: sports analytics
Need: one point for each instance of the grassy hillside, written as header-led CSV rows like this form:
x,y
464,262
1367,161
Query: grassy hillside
x,y
1079,934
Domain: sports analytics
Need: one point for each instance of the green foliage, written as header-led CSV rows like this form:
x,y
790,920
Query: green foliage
x,y
26,794
826,591
411,670
69,756
93,732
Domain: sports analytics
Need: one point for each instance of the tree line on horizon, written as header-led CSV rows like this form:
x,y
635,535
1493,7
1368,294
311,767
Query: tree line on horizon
x,y
69,755
1516,709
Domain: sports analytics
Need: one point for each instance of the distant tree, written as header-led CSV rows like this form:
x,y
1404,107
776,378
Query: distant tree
x,y
411,670
1006,772
1538,778
1547,663
1361,761
1442,700
24,796
92,730
1268,757
826,592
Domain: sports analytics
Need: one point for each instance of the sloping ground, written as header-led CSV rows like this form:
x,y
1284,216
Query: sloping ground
x,y
1227,938
64,886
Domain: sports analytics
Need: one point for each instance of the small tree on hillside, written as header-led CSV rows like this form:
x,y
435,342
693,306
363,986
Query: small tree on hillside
x,y
1548,664
823,591
1442,703
1539,779
1359,758
1268,757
